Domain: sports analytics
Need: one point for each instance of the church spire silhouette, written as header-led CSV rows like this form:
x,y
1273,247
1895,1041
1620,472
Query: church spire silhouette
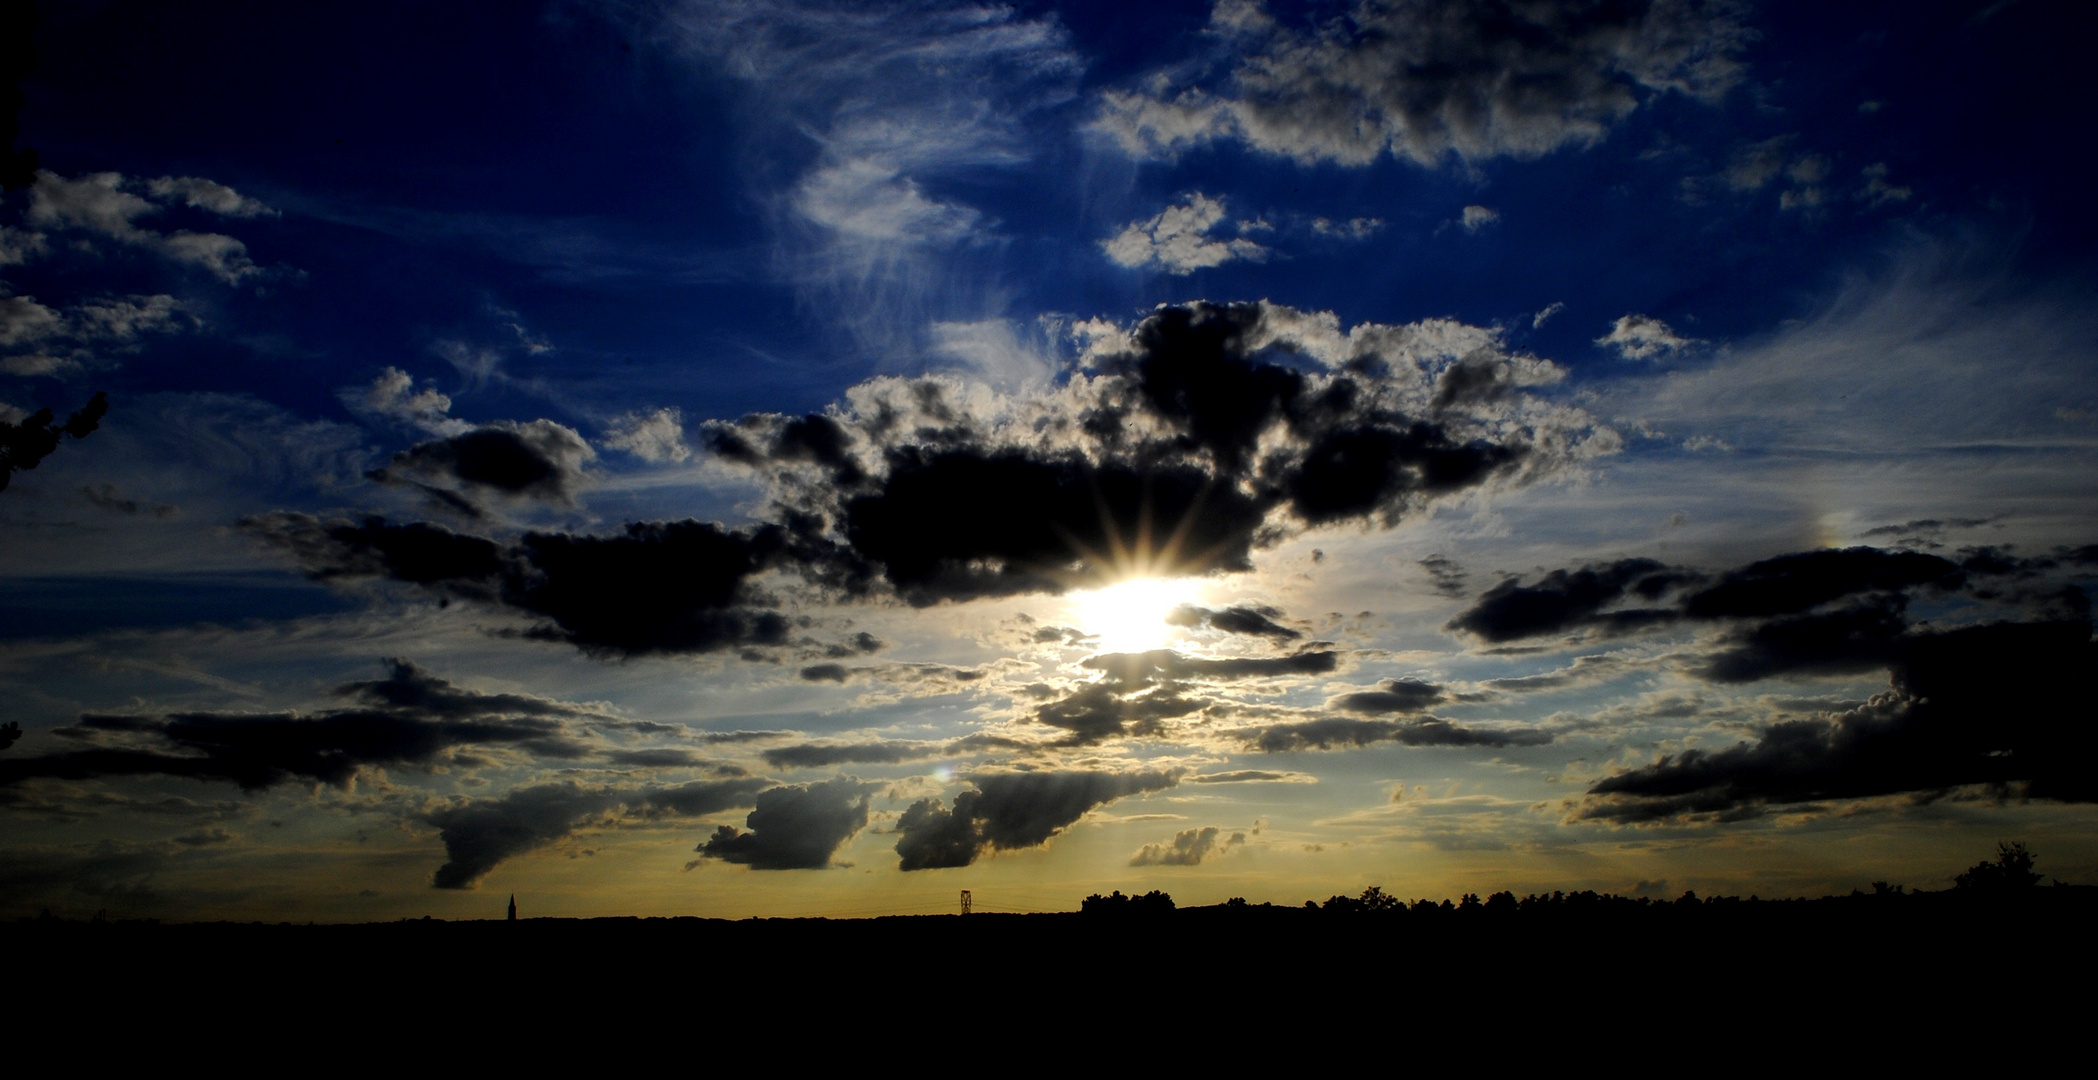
x,y
513,907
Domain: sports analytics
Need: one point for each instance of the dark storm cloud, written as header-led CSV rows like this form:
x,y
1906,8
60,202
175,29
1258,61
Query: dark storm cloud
x,y
1357,472
1009,811
961,525
1188,848
1794,583
414,689
1780,589
795,828
717,737
1249,776
1425,81
1107,710
662,757
413,718
1149,452
428,555
1832,611
929,491
1167,665
1584,671
480,834
1926,525
764,438
537,460
856,645
1448,577
1991,703
1860,636
2002,704
1240,619
825,755
2087,555
1141,690
659,587
26,444
1393,695
1328,733
1571,599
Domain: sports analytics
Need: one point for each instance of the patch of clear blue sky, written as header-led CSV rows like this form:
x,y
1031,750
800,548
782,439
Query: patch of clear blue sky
x,y
439,163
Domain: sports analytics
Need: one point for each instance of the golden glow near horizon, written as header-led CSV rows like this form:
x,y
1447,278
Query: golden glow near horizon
x,y
1130,616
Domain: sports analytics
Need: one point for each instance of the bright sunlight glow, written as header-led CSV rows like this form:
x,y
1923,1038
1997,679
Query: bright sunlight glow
x,y
1130,616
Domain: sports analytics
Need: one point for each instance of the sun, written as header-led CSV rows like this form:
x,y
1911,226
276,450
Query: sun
x,y
1130,616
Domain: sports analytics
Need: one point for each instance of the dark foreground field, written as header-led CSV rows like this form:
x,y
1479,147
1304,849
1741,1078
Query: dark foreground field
x,y
1569,953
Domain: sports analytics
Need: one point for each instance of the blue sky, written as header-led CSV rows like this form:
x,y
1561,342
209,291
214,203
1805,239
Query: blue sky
x,y
1438,307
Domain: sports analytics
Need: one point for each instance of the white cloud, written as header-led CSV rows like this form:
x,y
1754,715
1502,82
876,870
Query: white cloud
x,y
208,195
899,102
64,340
1877,192
1937,353
393,396
995,351
1806,174
480,365
1430,81
1179,239
1147,126
657,436
1640,337
226,258
18,246
1551,309
122,319
865,200
102,204
29,365
1478,217
1352,229
23,320
1756,164
95,202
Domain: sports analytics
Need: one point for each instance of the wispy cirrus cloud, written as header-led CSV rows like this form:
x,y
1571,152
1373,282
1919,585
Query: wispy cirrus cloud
x,y
860,120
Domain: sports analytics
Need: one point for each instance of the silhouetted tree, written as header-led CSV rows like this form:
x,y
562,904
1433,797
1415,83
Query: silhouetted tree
x,y
24,445
1151,903
1375,898
1342,904
9,732
2011,870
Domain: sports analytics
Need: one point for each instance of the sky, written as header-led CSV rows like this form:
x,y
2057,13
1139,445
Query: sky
x,y
777,458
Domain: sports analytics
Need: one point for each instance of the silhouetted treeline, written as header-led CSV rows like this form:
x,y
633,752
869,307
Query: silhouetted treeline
x,y
1150,904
